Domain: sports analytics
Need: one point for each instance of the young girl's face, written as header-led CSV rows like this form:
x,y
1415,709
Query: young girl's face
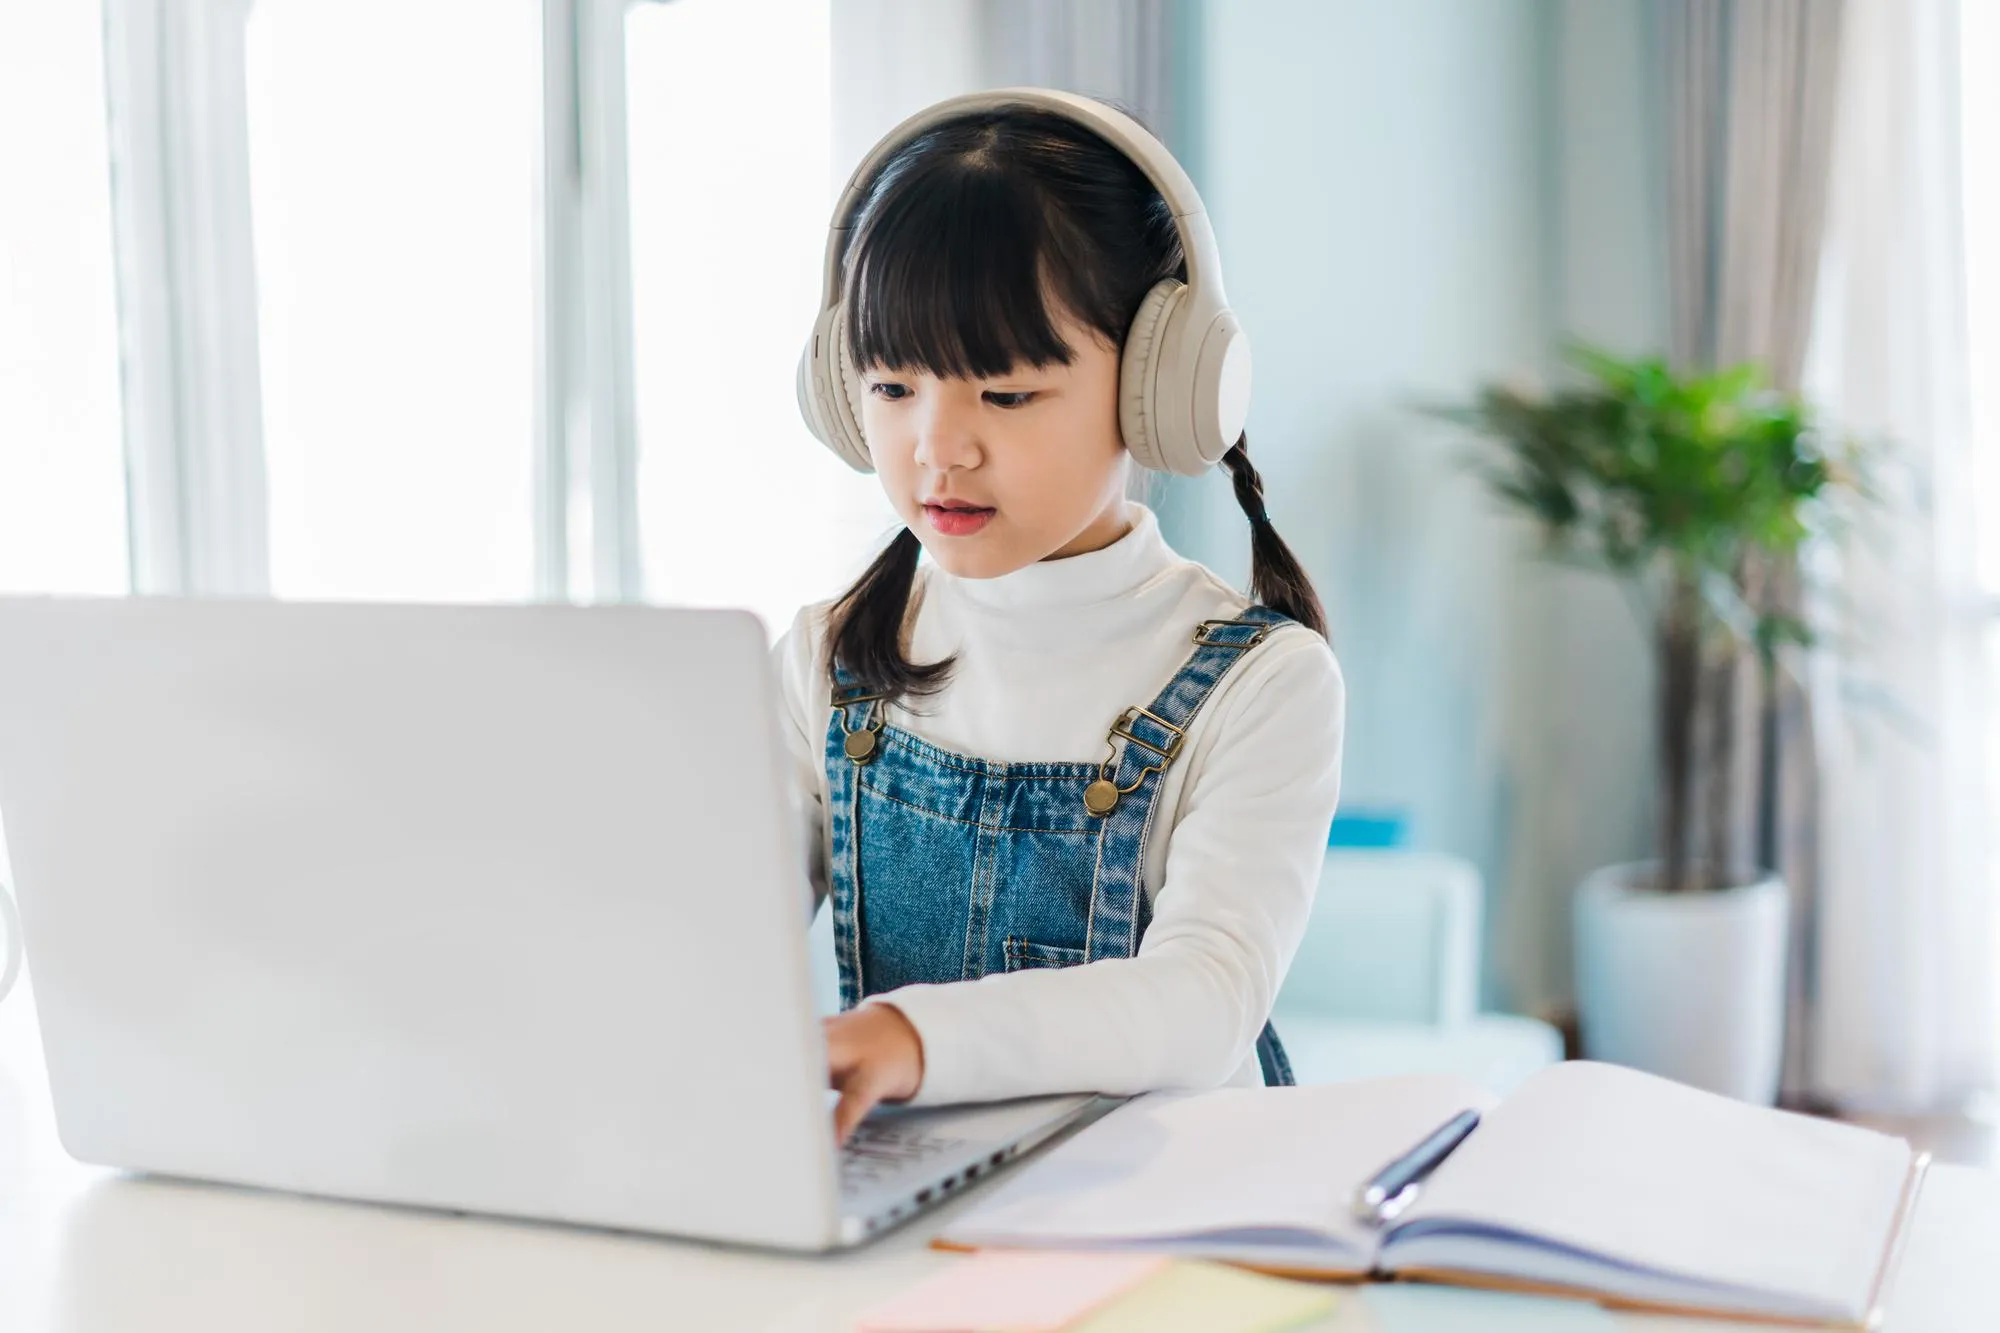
x,y
993,475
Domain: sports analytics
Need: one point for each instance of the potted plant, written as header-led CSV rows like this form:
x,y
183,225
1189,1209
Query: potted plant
x,y
1696,492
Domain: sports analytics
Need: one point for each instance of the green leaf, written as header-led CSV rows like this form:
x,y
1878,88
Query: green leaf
x,y
1635,467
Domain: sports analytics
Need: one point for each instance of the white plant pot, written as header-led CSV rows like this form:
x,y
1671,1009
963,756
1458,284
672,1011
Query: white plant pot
x,y
1690,986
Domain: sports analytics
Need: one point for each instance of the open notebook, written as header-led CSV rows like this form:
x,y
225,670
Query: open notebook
x,y
1590,1180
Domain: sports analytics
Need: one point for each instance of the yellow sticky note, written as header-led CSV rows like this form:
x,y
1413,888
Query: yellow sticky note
x,y
1210,1298
1000,1291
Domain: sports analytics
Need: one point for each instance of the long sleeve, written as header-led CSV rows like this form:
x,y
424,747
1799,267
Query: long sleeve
x,y
1242,862
804,703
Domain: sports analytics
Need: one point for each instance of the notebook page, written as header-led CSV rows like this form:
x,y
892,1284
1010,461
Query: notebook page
x,y
1233,1159
1682,1182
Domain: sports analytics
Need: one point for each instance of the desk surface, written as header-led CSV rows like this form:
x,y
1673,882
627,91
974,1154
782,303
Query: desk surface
x,y
84,1250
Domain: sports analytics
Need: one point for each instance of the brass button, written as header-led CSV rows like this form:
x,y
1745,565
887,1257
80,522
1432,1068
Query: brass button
x,y
860,745
1100,798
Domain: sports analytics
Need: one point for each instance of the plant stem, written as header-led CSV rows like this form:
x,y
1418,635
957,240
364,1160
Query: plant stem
x,y
1770,792
1719,773
1680,686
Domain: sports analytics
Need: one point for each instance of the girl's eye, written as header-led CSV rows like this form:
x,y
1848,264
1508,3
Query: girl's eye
x,y
890,391
1020,398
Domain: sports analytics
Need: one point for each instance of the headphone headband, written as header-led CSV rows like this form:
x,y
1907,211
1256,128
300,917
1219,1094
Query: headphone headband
x,y
1128,136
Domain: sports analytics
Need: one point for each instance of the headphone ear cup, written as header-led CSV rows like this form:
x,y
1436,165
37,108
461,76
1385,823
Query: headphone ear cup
x,y
851,392
1218,386
828,393
1138,375
1183,382
808,396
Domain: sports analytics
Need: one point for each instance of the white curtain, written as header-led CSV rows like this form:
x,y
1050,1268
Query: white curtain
x,y
1903,964
1752,87
1118,50
892,57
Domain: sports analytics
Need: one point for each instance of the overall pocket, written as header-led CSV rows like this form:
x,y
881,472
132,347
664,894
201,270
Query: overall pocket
x,y
1024,954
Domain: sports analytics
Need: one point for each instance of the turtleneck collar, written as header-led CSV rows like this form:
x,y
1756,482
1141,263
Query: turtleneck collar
x,y
1077,580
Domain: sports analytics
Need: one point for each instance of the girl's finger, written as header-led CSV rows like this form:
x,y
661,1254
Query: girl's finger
x,y
857,1098
843,1055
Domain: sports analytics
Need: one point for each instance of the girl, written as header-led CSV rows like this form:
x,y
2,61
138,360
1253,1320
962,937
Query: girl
x,y
1069,791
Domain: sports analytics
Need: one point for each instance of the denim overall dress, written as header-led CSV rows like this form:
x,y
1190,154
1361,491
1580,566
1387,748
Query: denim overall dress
x,y
948,868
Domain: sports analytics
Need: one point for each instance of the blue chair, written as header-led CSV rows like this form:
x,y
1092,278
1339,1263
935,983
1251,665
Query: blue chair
x,y
1386,980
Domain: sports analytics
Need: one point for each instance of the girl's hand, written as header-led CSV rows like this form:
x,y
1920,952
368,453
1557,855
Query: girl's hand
x,y
872,1055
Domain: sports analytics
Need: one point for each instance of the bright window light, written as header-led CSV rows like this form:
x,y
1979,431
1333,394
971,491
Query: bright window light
x,y
393,161
731,184
62,466
1979,83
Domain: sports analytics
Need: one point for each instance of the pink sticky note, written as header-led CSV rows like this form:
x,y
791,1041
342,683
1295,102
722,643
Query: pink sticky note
x,y
1000,1291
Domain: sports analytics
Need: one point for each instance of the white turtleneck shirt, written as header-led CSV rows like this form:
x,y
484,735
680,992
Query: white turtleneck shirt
x,y
1047,658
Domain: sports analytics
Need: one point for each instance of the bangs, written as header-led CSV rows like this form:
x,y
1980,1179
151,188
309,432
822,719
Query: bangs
x,y
959,269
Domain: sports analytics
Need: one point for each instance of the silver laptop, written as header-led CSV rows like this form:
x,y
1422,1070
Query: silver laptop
x,y
493,909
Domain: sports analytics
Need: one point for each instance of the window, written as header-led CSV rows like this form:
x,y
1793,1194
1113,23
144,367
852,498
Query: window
x,y
379,346
62,503
731,180
1980,64
393,197
1979,50
1979,57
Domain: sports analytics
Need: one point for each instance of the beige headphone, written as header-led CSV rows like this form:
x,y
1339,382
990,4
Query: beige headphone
x,y
1184,378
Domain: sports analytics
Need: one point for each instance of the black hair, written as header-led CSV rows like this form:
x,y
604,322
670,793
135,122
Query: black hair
x,y
971,238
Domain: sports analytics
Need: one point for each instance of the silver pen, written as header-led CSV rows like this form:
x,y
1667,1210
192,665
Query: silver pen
x,y
1393,1188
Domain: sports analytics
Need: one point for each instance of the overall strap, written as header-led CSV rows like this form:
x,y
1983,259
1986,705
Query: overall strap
x,y
852,739
860,713
1143,743
1219,645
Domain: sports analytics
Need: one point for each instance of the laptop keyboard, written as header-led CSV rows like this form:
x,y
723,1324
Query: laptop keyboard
x,y
884,1150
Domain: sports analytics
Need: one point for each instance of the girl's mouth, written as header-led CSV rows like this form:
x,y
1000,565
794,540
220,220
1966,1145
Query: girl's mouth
x,y
955,520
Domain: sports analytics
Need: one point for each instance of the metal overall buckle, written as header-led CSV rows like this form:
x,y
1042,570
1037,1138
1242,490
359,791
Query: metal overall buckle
x,y
1204,634
1100,798
861,744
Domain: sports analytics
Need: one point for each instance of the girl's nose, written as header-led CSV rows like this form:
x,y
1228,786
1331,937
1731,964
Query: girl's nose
x,y
947,435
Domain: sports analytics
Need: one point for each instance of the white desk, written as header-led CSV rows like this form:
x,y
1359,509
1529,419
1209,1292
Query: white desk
x,y
89,1251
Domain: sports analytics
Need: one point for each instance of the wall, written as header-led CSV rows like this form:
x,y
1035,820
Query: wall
x,y
1413,198
1587,695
